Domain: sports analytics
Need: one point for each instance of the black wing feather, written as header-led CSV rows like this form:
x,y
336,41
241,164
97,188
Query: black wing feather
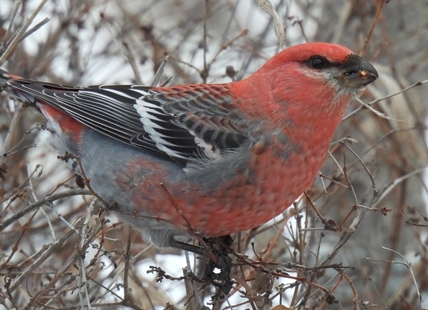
x,y
178,123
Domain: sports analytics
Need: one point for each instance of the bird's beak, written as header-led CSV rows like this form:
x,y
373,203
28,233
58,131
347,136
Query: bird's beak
x,y
357,72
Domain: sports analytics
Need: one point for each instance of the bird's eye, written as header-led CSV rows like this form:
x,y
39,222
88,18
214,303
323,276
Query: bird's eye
x,y
317,63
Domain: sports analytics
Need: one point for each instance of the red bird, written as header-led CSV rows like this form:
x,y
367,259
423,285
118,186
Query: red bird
x,y
212,159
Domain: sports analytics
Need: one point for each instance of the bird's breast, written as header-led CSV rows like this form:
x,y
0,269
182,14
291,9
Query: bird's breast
x,y
241,193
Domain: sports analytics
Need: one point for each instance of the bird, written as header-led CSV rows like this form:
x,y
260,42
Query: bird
x,y
206,160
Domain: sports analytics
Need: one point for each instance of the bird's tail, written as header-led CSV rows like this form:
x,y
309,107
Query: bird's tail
x,y
3,79
15,86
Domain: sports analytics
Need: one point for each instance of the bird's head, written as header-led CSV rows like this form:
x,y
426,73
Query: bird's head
x,y
309,85
336,64
313,77
318,64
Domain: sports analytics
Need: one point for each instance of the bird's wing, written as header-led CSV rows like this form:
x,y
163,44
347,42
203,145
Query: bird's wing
x,y
182,124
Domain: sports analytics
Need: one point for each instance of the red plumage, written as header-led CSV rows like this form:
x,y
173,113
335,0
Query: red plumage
x,y
216,158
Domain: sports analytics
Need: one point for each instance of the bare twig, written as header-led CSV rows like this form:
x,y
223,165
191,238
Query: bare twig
x,y
20,33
